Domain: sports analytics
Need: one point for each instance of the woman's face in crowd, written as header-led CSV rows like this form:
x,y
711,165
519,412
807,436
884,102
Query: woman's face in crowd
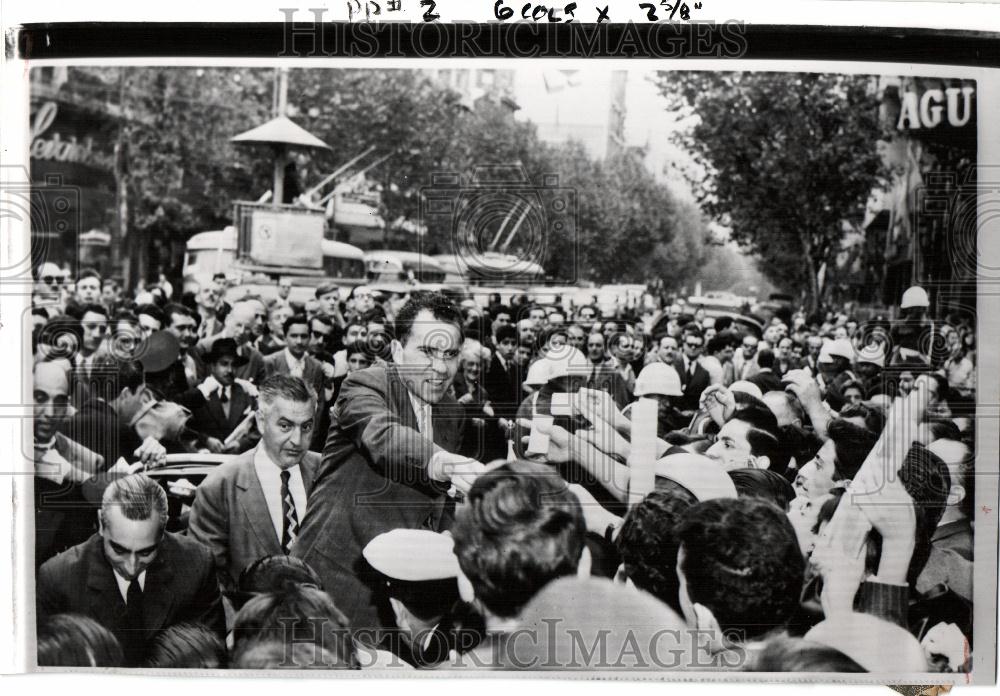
x,y
803,513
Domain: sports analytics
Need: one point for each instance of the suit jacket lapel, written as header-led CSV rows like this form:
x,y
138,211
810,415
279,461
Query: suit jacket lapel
x,y
158,595
105,599
308,468
255,505
237,405
215,409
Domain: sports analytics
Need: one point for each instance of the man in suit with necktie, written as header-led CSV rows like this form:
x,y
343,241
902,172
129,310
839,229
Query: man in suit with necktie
x,y
227,403
133,577
390,460
294,358
239,327
694,378
252,506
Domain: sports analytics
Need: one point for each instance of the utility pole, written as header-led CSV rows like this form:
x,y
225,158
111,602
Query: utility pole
x,y
280,153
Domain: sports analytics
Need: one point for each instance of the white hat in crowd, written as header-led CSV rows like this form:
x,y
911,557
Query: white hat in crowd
x,y
915,297
413,555
742,385
697,473
658,378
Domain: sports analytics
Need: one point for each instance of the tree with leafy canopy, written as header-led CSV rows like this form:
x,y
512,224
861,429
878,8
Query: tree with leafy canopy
x,y
784,159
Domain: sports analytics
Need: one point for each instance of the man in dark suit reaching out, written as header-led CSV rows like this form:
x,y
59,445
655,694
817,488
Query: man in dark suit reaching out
x,y
391,455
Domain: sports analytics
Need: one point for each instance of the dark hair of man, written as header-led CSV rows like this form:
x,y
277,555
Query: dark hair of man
x,y
851,445
648,542
72,640
765,358
173,309
717,344
186,646
273,574
88,273
359,347
323,319
801,443
925,477
763,484
520,527
108,376
765,444
505,332
126,316
874,418
294,320
95,309
296,614
785,653
944,429
439,306
742,561
497,310
152,311
374,315
755,412
692,329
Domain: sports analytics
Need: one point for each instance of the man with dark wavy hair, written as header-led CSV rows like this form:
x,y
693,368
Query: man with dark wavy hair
x,y
391,456
740,569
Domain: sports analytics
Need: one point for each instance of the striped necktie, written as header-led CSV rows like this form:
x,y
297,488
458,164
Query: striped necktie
x,y
289,518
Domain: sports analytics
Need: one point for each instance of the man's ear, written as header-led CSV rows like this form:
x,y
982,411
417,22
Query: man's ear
x,y
396,348
465,590
100,523
585,564
762,462
621,578
956,495
146,395
259,419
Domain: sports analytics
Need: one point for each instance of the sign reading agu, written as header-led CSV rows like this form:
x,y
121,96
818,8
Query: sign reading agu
x,y
934,107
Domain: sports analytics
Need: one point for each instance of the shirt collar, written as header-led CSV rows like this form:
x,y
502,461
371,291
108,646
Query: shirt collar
x,y
262,459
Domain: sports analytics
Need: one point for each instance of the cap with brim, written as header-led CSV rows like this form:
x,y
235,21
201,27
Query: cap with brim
x,y
741,385
326,289
159,351
223,347
697,473
413,555
841,347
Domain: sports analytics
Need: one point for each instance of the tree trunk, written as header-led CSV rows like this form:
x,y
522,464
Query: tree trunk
x,y
813,289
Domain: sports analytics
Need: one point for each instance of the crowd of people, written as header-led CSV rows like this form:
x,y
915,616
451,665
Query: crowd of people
x,y
416,481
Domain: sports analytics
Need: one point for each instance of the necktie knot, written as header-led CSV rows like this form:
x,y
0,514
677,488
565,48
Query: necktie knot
x,y
285,475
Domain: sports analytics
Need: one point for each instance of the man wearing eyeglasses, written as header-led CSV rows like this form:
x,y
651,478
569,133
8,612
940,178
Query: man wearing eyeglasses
x,y
48,288
694,378
391,455
745,359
